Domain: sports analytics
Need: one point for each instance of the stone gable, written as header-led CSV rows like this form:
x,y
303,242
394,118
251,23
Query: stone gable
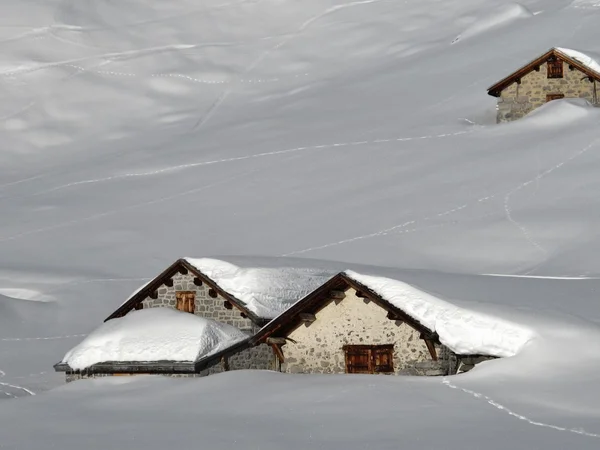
x,y
518,100
354,321
205,305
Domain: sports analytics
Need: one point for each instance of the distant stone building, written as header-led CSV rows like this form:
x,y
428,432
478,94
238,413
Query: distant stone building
x,y
558,73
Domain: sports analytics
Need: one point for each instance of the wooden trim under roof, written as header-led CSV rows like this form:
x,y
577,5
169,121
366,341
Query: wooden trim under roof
x,y
317,300
497,88
184,267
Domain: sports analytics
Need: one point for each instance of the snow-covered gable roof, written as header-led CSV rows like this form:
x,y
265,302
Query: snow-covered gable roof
x,y
464,331
261,287
586,62
151,335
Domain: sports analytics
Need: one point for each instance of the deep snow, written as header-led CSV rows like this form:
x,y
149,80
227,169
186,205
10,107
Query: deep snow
x,y
136,132
157,334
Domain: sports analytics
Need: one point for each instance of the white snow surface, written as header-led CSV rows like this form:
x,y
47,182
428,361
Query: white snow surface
x,y
156,334
592,61
463,331
266,291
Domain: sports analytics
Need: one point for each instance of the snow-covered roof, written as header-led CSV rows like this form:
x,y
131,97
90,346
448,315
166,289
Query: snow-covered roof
x,y
267,287
589,60
462,330
156,334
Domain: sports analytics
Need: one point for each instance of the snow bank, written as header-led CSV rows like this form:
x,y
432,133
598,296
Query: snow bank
x,y
500,16
463,331
266,291
590,60
560,112
156,334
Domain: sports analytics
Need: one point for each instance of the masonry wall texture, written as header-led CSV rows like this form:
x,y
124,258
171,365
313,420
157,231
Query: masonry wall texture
x,y
254,358
205,306
355,321
517,100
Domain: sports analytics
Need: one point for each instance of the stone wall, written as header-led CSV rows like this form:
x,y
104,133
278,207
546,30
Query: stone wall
x,y
254,358
205,306
517,100
352,321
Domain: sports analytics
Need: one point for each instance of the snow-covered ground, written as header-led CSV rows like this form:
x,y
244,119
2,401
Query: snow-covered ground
x,y
137,132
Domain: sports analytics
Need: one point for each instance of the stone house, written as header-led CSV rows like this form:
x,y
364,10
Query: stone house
x,y
345,327
186,287
558,73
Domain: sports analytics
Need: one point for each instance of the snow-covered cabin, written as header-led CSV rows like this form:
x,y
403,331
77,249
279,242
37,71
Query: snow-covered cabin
x,y
358,323
244,298
558,73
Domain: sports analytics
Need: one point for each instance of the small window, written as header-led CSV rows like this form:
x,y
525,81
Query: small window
x,y
555,68
186,301
550,97
369,358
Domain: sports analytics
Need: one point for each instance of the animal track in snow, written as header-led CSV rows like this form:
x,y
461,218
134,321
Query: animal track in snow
x,y
477,395
238,158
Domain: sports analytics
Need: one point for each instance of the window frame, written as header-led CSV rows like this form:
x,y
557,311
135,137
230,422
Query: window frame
x,y
185,301
556,96
372,353
555,68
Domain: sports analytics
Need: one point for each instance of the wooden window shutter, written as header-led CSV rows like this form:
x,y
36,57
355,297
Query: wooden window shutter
x,y
555,68
550,97
186,301
358,359
383,358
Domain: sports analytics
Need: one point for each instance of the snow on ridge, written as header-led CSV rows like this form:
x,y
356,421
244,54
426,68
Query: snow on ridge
x,y
591,61
266,291
462,330
155,334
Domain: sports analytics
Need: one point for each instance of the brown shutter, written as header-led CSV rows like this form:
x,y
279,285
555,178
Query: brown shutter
x,y
358,359
383,358
186,301
555,68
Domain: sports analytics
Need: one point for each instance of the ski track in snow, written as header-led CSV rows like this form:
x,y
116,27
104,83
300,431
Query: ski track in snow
x,y
127,208
504,409
13,386
537,178
228,160
507,210
210,112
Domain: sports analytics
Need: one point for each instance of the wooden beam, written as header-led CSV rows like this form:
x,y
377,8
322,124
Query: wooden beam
x,y
360,294
278,352
243,315
212,293
169,282
276,340
227,304
392,316
307,317
225,363
197,281
337,295
431,348
183,271
153,295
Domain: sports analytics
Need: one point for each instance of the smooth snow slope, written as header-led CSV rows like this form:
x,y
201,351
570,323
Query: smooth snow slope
x,y
136,132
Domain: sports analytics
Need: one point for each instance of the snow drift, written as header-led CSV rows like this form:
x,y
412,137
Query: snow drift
x,y
266,291
156,334
463,331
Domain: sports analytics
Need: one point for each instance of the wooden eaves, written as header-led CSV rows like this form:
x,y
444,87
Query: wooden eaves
x,y
516,76
165,278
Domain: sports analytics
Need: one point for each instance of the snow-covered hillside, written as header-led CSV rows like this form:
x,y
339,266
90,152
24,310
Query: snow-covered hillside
x,y
137,132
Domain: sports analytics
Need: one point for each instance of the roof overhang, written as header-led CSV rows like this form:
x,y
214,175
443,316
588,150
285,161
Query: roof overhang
x,y
496,89
183,267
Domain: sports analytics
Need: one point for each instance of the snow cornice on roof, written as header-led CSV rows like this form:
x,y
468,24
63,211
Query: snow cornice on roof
x,y
576,59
